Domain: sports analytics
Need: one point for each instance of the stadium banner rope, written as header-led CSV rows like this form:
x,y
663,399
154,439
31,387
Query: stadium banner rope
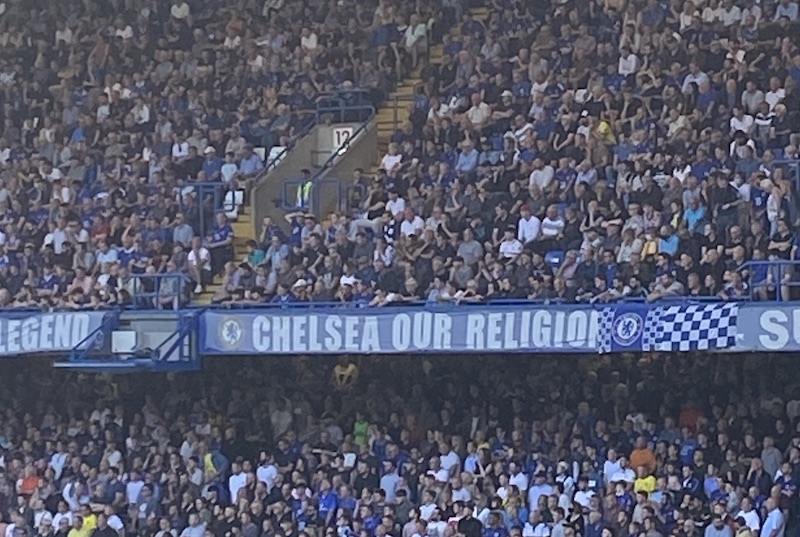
x,y
43,333
624,327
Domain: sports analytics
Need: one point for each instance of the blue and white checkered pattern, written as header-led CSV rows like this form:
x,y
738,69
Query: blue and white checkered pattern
x,y
650,332
697,327
605,324
678,328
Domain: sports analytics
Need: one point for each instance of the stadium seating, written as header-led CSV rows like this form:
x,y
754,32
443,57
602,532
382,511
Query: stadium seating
x,y
661,146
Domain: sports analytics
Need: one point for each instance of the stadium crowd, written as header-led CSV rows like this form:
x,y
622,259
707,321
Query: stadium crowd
x,y
570,151
656,446
111,113
562,151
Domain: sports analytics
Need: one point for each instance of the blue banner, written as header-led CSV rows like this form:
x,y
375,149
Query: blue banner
x,y
769,328
31,333
622,328
521,328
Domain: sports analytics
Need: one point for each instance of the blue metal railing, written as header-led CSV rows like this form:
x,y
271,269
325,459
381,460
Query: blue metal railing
x,y
272,161
210,197
791,170
768,277
166,290
423,304
345,106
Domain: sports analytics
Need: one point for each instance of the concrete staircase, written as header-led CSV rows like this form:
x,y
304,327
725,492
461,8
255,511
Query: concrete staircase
x,y
397,108
243,230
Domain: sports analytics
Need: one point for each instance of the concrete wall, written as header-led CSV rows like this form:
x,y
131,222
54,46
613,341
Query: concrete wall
x,y
362,153
311,152
269,187
153,328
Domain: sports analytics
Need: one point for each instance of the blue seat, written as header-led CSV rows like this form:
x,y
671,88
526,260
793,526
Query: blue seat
x,y
554,258
778,152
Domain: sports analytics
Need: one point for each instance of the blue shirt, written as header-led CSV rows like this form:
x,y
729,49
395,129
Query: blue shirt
x,y
327,502
48,283
222,233
565,176
624,151
688,447
495,532
127,256
160,233
251,165
521,89
467,161
212,168
625,501
693,216
348,503
759,198
704,100
668,245
77,135
281,299
702,168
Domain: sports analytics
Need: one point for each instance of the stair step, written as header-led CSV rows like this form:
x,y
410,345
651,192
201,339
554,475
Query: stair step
x,y
203,300
242,229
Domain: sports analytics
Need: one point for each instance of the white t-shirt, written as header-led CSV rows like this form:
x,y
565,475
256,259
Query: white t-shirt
x,y
730,17
396,206
551,228
180,149
310,42
64,35
266,474
751,519
510,248
628,64
180,11
542,178
389,162
415,35
541,530
133,489
412,228
451,460
236,482
774,521
774,97
520,481
610,469
205,258
743,124
479,114
425,511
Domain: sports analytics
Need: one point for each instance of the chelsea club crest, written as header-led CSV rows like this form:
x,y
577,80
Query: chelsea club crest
x,y
627,328
231,332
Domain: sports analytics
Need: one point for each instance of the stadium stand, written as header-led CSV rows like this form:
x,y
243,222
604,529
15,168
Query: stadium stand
x,y
569,153
662,445
556,151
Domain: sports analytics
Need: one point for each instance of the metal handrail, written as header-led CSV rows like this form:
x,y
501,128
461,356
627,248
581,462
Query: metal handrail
x,y
422,304
271,163
317,177
776,270
338,104
178,301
